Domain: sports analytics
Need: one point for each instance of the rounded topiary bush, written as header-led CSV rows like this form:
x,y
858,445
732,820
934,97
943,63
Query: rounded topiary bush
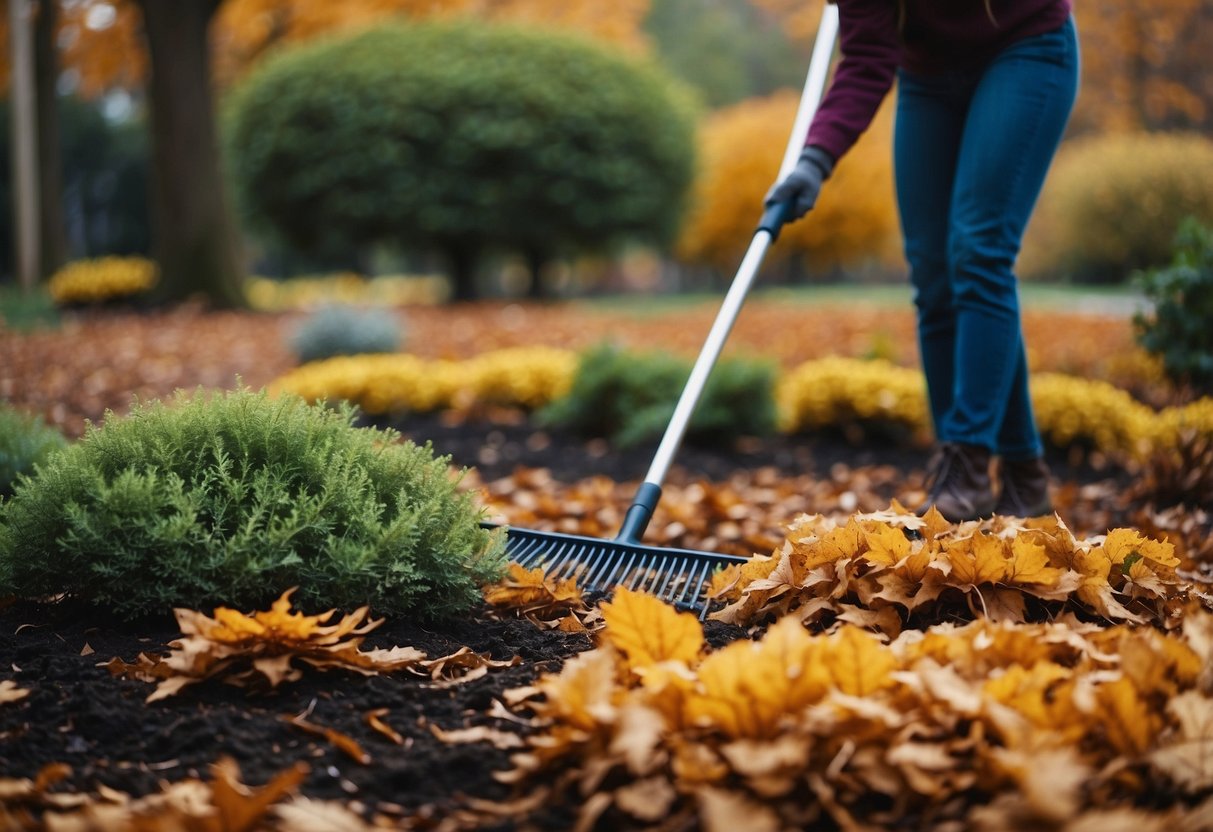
x,y
233,498
461,137
1113,204
25,441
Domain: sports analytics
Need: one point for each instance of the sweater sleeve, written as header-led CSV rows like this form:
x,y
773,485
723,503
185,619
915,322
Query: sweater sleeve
x,y
871,52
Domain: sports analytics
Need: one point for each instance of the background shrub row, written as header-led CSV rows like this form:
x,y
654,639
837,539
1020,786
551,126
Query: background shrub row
x,y
629,397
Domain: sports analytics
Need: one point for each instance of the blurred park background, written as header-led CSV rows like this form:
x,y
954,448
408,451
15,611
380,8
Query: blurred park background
x,y
521,148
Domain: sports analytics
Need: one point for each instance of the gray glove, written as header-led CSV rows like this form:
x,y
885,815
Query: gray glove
x,y
799,188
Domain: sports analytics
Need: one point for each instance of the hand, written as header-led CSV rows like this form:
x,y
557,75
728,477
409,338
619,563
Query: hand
x,y
799,188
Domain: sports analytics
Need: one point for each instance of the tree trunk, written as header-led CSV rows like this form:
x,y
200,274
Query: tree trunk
x,y
193,237
53,229
463,260
536,262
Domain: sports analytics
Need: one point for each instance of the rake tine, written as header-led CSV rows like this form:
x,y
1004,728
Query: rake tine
x,y
641,570
687,580
669,577
595,572
650,576
610,579
697,593
531,551
554,566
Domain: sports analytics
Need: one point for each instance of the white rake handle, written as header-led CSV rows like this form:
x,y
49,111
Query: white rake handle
x,y
649,493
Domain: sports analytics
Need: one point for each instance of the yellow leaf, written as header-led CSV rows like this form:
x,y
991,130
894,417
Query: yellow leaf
x,y
858,663
648,631
748,688
582,693
1125,717
1042,694
977,560
914,566
935,524
837,544
1029,564
1121,543
886,545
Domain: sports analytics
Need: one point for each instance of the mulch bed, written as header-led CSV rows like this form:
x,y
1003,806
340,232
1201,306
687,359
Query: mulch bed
x,y
77,713
101,726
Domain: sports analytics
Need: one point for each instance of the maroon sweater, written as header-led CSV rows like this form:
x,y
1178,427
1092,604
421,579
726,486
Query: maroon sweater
x,y
937,36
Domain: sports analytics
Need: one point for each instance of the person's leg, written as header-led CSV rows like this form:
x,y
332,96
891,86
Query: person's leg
x,y
926,142
930,124
1016,118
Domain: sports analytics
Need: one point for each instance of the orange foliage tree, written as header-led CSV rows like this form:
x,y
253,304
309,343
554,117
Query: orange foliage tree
x,y
854,222
1145,65
102,40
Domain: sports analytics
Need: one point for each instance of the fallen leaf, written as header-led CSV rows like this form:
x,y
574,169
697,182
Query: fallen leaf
x,y
374,719
344,742
481,733
649,632
10,691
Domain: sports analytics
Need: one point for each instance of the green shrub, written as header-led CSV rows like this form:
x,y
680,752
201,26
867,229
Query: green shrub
x,y
461,137
630,397
343,330
1114,203
1179,329
25,441
233,498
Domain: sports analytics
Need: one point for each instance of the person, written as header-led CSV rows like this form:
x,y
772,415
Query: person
x,y
984,92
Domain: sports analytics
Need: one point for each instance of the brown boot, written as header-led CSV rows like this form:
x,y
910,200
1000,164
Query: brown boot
x,y
959,483
1025,488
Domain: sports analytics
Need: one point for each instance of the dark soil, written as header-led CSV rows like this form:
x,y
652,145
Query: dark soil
x,y
102,727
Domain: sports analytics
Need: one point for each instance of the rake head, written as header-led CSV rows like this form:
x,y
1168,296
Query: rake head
x,y
677,576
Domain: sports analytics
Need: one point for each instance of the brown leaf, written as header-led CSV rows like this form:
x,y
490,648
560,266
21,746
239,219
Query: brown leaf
x,y
344,742
242,809
374,719
480,733
11,692
1187,758
728,811
648,800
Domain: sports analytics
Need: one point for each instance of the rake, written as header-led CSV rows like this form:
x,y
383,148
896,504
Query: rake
x,y
677,575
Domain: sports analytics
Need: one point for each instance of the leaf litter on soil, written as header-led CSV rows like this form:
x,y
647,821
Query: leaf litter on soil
x,y
945,718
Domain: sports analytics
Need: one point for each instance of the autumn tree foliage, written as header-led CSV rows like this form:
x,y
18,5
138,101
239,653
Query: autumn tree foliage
x,y
1145,65
741,147
102,41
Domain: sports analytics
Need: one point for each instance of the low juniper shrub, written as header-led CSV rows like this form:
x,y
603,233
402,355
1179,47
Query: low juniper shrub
x,y
630,397
231,498
345,330
25,441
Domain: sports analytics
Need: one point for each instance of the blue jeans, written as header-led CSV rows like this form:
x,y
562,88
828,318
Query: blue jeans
x,y
971,150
